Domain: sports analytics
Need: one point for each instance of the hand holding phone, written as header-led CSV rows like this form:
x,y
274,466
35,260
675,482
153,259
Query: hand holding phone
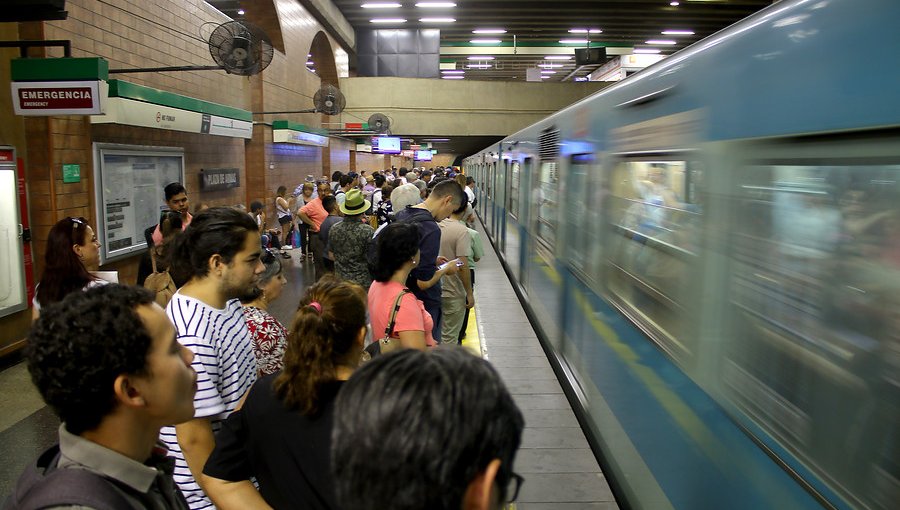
x,y
456,262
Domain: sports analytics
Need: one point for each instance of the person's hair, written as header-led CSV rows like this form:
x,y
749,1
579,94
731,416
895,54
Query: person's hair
x,y
405,195
256,206
432,419
449,188
321,338
63,270
217,230
462,205
309,186
172,189
336,175
427,173
78,347
346,180
402,172
379,180
394,246
170,224
273,268
281,191
469,180
329,203
461,180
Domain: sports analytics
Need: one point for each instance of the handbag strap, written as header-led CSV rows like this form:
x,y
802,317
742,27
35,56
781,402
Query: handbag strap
x,y
153,259
388,331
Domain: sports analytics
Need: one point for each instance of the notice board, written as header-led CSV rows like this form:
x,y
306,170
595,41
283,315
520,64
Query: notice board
x,y
129,184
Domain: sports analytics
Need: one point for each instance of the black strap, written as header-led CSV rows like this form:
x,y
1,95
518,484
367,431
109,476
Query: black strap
x,y
388,331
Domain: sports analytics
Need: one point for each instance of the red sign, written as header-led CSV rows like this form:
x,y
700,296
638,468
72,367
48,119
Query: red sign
x,y
353,125
414,147
6,155
54,98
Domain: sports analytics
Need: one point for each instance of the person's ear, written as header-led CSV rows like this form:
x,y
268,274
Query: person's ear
x,y
78,249
216,264
126,392
480,494
361,337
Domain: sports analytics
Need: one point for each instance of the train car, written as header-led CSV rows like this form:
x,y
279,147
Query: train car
x,y
710,250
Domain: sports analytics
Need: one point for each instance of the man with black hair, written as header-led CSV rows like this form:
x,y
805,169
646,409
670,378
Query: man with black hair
x,y
470,190
219,258
467,429
107,362
176,200
341,194
424,281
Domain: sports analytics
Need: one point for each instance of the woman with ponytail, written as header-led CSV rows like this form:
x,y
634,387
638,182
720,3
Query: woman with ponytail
x,y
282,434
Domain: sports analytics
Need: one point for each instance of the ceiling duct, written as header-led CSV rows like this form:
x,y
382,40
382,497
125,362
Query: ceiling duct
x,y
33,10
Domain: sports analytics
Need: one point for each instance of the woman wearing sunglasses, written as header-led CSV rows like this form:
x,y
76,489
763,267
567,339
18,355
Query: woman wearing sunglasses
x,y
73,253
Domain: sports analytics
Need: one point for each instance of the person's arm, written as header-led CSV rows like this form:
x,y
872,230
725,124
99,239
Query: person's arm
x,y
197,441
414,339
237,495
305,219
449,269
466,276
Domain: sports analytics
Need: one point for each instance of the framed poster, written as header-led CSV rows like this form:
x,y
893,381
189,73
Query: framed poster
x,y
128,185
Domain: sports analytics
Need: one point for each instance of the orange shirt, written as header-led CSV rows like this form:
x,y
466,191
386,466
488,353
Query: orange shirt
x,y
316,213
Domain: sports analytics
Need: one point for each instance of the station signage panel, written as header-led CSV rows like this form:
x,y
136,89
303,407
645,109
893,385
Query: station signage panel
x,y
41,98
299,137
137,113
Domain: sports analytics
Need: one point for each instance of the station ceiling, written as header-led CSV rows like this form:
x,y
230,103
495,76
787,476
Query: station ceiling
x,y
533,29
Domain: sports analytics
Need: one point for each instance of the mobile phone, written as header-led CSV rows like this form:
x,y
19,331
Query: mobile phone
x,y
458,263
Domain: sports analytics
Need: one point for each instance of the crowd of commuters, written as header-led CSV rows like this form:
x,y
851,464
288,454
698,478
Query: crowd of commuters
x,y
254,414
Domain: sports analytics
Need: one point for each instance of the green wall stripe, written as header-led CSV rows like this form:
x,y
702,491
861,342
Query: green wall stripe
x,y
286,124
119,88
59,69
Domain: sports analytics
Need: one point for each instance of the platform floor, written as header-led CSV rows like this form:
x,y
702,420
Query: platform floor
x,y
560,470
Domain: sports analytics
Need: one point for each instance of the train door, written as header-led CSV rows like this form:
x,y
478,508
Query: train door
x,y
489,203
524,220
500,204
511,235
12,255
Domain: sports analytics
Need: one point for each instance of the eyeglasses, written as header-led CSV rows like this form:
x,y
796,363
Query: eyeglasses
x,y
513,486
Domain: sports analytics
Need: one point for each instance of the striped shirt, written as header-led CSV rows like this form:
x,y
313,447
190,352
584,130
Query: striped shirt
x,y
226,368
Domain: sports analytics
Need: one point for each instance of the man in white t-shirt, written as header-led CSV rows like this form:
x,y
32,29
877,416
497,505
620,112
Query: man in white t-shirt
x,y
219,256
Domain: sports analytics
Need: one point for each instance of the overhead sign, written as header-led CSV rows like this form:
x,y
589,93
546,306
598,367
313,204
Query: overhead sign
x,y
36,98
216,179
121,110
299,137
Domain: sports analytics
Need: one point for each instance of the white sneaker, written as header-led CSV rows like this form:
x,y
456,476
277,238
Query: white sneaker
x,y
287,247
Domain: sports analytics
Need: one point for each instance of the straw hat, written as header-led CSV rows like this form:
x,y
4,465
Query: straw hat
x,y
355,203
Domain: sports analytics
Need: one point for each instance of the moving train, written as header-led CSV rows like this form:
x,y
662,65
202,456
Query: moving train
x,y
710,250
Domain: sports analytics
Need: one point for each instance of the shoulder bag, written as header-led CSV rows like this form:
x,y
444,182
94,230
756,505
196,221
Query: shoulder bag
x,y
387,343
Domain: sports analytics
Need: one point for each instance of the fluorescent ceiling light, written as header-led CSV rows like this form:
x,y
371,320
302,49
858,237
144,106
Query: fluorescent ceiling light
x,y
585,31
548,72
453,71
648,51
240,12
387,20
484,31
677,32
573,41
481,57
453,77
435,5
550,66
381,5
674,4
544,77
310,63
437,20
558,57
485,41
435,139
479,66
665,42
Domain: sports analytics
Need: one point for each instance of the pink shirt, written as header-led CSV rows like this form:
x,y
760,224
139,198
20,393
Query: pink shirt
x,y
411,317
316,212
157,235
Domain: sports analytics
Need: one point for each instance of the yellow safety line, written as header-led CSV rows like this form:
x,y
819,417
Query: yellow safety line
x,y
472,341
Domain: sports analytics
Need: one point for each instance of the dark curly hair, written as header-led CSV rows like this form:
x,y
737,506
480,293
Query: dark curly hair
x,y
79,346
217,230
394,246
320,339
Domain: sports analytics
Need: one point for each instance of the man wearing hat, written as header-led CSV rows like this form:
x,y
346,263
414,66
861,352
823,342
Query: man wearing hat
x,y
349,240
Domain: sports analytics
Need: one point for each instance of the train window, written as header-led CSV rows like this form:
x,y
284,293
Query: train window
x,y
544,202
654,221
514,189
814,355
582,217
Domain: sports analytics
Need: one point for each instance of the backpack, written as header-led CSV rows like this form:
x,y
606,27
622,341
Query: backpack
x,y
42,485
160,283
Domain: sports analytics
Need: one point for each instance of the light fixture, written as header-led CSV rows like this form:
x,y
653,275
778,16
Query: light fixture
x,y
548,72
381,5
485,31
240,12
647,51
485,41
310,63
453,77
663,42
437,20
573,41
674,4
585,31
677,32
453,71
435,5
479,66
550,66
481,57
558,57
387,20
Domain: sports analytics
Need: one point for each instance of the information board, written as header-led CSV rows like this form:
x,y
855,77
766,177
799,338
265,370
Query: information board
x,y
129,186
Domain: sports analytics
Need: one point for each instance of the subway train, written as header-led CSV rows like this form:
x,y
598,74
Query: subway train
x,y
710,252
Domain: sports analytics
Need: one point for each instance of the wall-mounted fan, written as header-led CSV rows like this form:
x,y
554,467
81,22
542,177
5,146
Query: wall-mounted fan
x,y
238,47
329,100
379,123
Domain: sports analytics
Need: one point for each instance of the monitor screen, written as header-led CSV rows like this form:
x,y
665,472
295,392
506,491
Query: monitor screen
x,y
423,155
386,144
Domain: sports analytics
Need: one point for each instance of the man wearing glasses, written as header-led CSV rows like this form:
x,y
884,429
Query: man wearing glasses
x,y
432,429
